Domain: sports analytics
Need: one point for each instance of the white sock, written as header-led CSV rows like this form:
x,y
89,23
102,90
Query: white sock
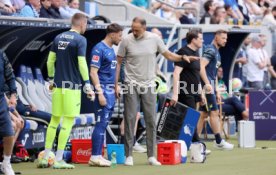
x,y
7,159
46,153
59,155
93,157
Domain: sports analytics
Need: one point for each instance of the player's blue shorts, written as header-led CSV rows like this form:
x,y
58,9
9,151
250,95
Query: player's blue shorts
x,y
211,103
105,112
6,128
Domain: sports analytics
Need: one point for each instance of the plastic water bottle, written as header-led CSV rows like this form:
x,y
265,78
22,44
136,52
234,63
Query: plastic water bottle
x,y
113,159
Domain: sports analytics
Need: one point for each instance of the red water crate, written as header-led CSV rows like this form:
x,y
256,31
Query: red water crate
x,y
169,153
81,150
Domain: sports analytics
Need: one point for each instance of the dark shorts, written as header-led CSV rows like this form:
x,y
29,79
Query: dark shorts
x,y
189,100
211,103
6,128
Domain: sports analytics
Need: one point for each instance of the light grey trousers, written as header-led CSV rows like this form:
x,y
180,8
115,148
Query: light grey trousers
x,y
133,96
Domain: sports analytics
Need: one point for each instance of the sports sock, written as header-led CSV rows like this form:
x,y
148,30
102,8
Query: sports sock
x,y
218,138
51,133
46,152
7,159
65,130
59,155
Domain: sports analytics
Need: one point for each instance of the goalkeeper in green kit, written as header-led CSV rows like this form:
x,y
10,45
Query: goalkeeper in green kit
x,y
67,68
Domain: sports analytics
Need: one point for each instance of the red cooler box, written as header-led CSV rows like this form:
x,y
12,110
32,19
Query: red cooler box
x,y
169,153
81,150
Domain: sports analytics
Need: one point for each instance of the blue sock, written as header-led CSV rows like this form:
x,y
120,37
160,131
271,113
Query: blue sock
x,y
134,140
218,138
98,138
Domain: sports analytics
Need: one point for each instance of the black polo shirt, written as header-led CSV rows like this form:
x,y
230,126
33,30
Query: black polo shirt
x,y
190,73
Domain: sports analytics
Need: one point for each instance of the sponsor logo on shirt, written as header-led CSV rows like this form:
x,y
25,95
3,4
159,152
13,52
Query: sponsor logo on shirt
x,y
113,64
62,45
95,58
67,36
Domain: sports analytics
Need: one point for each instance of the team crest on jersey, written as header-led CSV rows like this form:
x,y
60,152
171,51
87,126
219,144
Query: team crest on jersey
x,y
95,58
113,64
62,45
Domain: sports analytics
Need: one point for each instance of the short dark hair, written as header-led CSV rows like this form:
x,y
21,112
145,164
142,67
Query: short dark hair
x,y
114,28
227,6
217,10
273,9
142,21
76,18
207,5
192,34
220,31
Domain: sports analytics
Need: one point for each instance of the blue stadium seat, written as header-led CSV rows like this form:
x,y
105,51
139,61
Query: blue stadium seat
x,y
77,121
38,75
23,74
90,119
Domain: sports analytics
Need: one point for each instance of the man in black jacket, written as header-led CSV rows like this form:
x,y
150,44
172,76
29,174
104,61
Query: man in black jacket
x,y
6,129
50,9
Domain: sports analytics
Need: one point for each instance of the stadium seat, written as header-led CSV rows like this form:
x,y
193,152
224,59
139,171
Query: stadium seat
x,y
37,91
30,87
90,119
41,93
33,124
41,89
30,125
39,81
83,119
77,121
24,91
87,119
20,93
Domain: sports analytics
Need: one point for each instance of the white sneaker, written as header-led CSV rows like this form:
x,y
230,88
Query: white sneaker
x,y
138,148
208,152
224,145
7,169
129,161
99,161
153,161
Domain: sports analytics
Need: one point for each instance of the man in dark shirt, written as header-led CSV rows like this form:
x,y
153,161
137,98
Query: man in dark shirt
x,y
186,77
54,9
44,10
208,72
209,7
6,129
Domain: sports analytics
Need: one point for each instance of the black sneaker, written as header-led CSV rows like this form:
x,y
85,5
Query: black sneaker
x,y
15,159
